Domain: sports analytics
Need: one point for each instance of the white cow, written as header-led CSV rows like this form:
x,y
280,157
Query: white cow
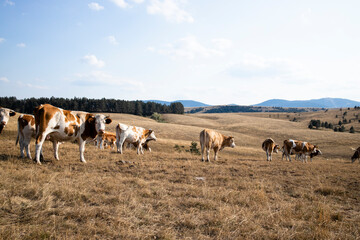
x,y
137,136
5,115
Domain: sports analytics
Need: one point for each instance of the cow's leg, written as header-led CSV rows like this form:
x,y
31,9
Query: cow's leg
x,y
100,142
207,154
267,155
202,151
82,150
120,144
21,144
26,142
56,149
138,148
40,139
216,150
270,156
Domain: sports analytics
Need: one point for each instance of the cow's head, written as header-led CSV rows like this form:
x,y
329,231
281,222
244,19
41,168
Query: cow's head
x,y
276,148
355,156
100,121
150,135
229,142
5,114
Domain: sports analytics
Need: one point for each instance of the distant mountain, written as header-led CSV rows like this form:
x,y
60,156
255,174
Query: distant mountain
x,y
313,103
186,103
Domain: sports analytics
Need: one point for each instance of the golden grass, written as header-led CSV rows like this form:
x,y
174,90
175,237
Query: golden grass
x,y
170,195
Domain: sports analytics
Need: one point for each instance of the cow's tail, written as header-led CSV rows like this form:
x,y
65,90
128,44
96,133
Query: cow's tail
x,y
202,140
18,133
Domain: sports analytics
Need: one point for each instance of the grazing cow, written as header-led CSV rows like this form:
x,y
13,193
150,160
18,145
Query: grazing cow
x,y
65,125
356,155
137,136
302,149
107,139
210,139
269,147
5,114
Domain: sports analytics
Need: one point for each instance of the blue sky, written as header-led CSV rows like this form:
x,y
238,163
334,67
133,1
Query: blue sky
x,y
216,52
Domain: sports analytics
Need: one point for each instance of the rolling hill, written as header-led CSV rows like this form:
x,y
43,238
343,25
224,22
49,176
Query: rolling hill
x,y
185,103
313,103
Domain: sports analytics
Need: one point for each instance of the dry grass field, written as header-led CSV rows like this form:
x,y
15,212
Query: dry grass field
x,y
167,194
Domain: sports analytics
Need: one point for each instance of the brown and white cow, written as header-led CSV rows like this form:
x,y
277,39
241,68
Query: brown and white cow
x,y
107,139
269,147
356,155
5,114
211,139
302,149
137,136
65,125
26,131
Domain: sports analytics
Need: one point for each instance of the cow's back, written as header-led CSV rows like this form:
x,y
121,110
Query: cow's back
x,y
210,138
268,144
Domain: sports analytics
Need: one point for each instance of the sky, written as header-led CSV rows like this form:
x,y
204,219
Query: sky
x,y
212,51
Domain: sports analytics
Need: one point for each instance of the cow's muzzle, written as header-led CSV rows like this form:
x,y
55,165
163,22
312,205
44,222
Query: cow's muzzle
x,y
101,131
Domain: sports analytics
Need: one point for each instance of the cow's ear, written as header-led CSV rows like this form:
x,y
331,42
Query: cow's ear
x,y
12,113
108,120
150,131
91,119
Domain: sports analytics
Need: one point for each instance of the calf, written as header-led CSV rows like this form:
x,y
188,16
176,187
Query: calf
x,y
269,147
210,139
65,125
107,139
5,115
26,131
356,155
137,136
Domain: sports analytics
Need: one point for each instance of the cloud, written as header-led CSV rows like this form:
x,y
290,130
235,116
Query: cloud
x,y
121,3
125,4
170,10
8,2
266,69
189,47
4,79
2,40
100,78
92,60
29,85
21,45
112,40
95,6
306,16
222,43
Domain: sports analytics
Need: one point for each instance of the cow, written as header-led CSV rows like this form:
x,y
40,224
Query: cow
x,y
5,115
26,131
66,125
137,136
211,139
302,149
269,147
356,155
107,139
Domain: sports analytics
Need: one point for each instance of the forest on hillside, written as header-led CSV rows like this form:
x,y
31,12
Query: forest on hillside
x,y
92,105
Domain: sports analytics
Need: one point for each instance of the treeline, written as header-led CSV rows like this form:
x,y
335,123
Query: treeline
x,y
92,105
317,124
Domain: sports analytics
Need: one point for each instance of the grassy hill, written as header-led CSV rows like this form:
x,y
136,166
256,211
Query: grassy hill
x,y
168,194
